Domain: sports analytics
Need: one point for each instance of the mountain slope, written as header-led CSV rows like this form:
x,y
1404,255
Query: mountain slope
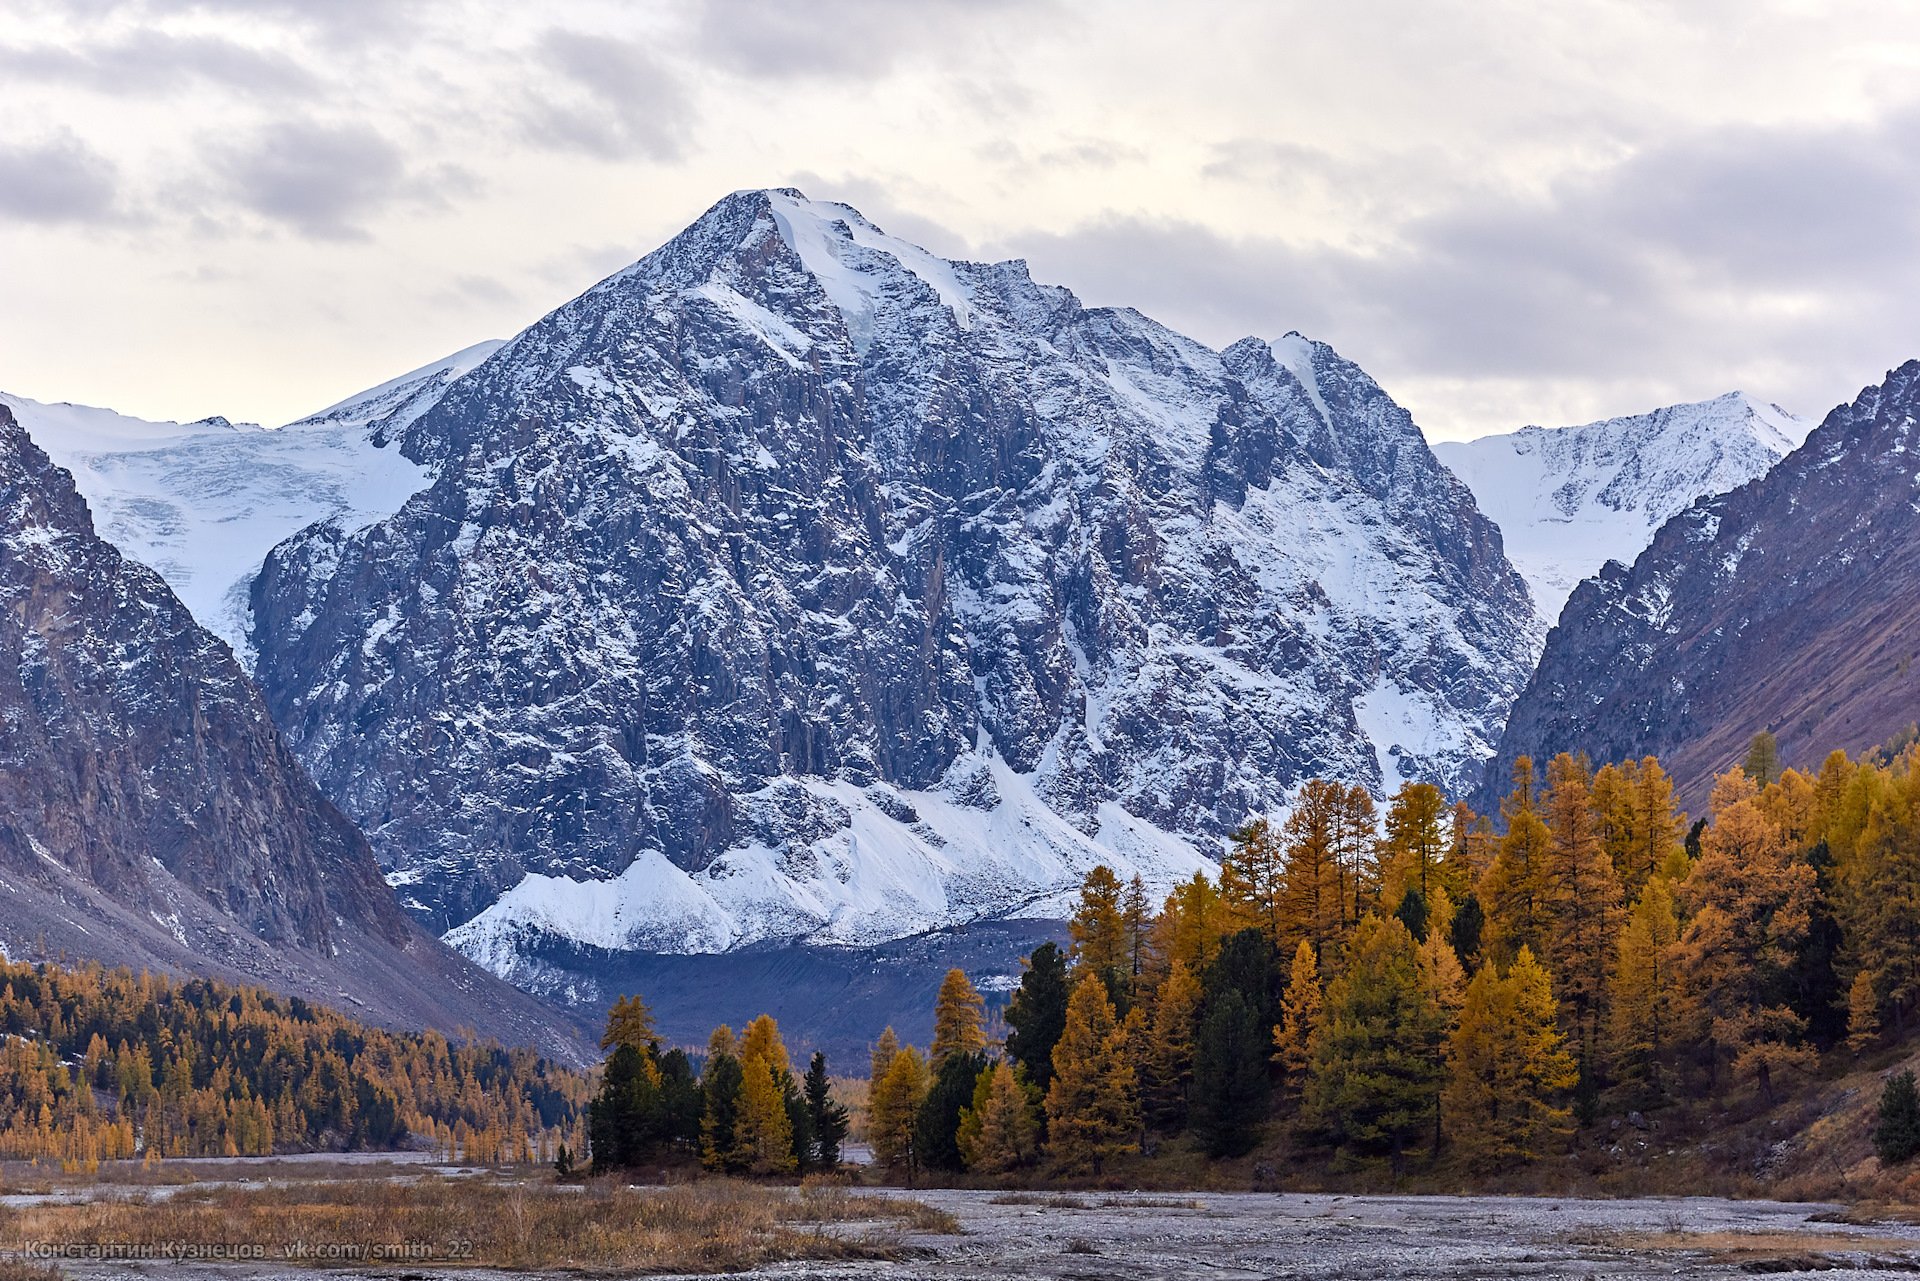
x,y
1791,603
1570,499
794,583
149,812
203,502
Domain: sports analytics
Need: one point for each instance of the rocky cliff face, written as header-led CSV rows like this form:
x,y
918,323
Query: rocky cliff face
x,y
1570,499
794,583
1791,603
149,811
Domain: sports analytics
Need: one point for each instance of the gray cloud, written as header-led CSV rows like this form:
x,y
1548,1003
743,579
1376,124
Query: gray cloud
x,y
339,23
861,39
147,61
1791,254
324,180
611,99
58,180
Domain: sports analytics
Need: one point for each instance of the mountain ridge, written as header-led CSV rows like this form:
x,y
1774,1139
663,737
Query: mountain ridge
x,y
1787,604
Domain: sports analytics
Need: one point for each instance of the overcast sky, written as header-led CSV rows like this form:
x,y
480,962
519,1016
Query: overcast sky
x,y
1508,213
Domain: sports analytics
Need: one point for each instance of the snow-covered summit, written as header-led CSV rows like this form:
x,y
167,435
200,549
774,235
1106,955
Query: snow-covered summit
x,y
1570,499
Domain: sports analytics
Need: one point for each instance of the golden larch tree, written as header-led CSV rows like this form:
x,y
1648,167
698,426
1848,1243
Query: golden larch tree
x,y
1098,929
1300,1011
1311,907
1645,1014
1749,905
891,1103
1584,905
1509,1072
1093,1105
1252,879
1167,1066
998,1132
1513,893
959,1020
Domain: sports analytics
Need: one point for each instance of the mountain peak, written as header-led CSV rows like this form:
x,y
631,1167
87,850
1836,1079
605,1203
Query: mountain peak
x,y
849,256
1570,499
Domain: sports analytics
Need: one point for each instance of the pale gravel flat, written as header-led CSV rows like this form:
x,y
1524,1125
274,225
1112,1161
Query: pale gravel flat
x,y
1249,1236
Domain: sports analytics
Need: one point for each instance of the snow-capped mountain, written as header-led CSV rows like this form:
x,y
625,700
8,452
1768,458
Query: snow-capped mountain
x,y
203,502
1789,604
796,583
1570,499
150,814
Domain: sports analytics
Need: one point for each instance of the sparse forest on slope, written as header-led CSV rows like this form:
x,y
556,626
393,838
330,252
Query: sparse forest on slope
x,y
99,1064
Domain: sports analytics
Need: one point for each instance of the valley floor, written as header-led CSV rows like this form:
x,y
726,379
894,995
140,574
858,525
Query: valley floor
x,y
1122,1236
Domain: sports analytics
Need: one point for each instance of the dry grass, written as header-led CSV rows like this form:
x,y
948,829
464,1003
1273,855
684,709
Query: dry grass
x,y
1051,1201
604,1226
1752,1250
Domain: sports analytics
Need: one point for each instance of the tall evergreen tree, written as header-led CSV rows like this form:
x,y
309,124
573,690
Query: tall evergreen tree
x,y
1038,1013
1896,1137
1372,1084
1468,924
1230,1084
827,1119
936,1123
1412,913
723,1146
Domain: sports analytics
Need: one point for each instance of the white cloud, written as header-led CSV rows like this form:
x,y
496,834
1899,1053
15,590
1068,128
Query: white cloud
x,y
1506,211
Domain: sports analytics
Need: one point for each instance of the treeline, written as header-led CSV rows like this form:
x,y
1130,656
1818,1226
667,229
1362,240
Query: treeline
x,y
1434,982
99,1064
744,1113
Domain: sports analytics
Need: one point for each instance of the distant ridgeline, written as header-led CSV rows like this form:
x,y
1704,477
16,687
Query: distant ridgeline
x,y
1432,985
101,1064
